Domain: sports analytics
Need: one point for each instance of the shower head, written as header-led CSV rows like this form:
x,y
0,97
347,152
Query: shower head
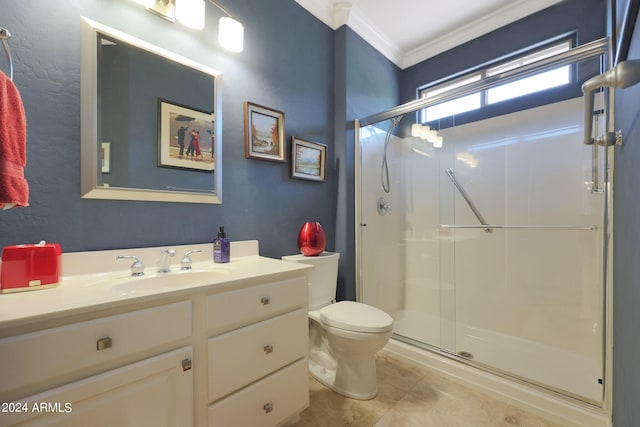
x,y
396,120
623,75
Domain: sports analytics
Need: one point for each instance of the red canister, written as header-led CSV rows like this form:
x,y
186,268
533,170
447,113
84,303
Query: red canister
x,y
30,267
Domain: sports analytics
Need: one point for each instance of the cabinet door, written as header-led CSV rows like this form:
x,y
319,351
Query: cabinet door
x,y
155,392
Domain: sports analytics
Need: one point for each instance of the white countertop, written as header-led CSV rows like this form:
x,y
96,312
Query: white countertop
x,y
98,285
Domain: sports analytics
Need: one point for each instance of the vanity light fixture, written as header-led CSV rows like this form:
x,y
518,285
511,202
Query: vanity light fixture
x,y
146,3
190,13
230,30
438,142
425,132
163,8
432,135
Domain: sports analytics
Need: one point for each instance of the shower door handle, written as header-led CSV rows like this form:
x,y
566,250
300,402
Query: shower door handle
x,y
598,122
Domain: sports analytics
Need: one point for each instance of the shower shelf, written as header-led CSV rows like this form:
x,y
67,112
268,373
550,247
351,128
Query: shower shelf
x,y
535,227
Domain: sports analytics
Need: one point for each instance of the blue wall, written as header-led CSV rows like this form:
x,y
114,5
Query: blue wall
x,y
366,83
626,251
291,74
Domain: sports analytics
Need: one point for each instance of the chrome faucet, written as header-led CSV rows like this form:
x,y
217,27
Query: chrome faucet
x,y
137,268
164,263
185,264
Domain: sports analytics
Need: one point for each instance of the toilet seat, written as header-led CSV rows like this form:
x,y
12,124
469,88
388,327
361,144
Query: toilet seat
x,y
356,317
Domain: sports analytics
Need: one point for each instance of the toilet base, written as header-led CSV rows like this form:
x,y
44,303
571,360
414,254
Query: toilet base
x,y
361,378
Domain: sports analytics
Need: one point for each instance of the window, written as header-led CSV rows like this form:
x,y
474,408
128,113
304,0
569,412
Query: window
x,y
524,86
455,106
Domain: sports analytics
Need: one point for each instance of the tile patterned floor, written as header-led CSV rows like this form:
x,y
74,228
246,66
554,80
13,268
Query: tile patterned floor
x,y
413,396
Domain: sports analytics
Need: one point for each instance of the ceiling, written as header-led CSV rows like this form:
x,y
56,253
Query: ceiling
x,y
409,31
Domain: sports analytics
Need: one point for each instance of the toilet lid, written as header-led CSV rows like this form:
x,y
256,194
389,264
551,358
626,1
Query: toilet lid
x,y
356,317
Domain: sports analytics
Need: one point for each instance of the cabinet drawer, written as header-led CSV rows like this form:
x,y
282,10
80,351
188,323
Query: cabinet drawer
x,y
54,353
266,403
230,310
240,357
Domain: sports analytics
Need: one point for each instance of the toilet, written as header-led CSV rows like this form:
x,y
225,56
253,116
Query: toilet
x,y
345,336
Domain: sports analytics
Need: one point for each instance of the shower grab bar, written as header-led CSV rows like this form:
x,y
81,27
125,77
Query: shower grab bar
x,y
467,199
534,227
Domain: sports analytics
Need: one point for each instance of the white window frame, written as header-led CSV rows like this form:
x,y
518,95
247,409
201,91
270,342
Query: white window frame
x,y
521,87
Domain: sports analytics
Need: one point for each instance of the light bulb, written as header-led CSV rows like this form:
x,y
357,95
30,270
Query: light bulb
x,y
432,135
190,13
424,132
438,142
416,129
231,34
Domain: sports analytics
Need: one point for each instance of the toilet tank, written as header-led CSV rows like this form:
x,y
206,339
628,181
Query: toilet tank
x,y
323,279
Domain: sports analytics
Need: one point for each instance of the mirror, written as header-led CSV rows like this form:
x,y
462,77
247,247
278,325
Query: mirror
x,y
150,121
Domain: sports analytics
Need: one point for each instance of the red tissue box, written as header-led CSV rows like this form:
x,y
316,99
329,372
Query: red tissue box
x,y
30,267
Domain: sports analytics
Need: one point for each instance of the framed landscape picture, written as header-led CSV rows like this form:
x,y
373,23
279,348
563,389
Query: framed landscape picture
x,y
263,133
308,160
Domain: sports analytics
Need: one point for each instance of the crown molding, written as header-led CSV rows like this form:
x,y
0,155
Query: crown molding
x,y
337,14
359,23
498,18
321,9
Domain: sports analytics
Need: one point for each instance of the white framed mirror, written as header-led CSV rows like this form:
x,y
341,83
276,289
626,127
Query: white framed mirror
x,y
150,121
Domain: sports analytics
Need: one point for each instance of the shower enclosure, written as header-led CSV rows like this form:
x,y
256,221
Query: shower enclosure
x,y
492,249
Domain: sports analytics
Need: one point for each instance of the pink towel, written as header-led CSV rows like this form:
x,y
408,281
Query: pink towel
x,y
14,189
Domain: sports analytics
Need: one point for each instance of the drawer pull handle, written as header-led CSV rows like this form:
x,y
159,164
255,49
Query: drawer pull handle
x,y
104,343
268,407
268,349
265,300
186,364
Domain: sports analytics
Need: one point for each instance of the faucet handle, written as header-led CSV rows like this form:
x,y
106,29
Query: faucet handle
x,y
185,264
137,268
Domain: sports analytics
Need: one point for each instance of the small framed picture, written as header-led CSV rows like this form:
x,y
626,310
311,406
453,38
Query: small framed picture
x,y
263,133
186,137
106,157
308,160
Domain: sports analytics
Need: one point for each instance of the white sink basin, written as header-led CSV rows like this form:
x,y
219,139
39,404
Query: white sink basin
x,y
175,279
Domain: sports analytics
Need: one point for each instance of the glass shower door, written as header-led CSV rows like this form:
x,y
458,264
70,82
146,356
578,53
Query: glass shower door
x,y
528,297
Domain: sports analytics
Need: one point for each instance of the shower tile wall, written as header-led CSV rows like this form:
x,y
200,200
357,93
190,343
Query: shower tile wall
x,y
524,301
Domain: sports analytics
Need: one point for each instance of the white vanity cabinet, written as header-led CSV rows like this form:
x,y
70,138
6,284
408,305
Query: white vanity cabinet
x,y
227,349
75,363
257,356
